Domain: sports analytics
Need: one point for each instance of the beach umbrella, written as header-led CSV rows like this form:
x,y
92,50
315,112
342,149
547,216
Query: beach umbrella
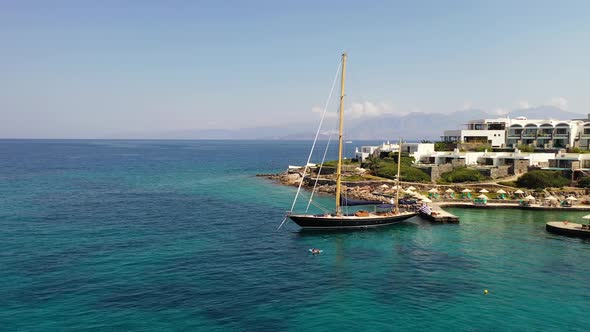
x,y
433,190
384,186
530,198
501,191
519,192
449,191
409,192
411,188
396,187
465,190
550,198
426,200
571,198
483,191
482,196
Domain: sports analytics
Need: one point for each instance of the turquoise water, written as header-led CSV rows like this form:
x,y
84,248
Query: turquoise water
x,y
180,235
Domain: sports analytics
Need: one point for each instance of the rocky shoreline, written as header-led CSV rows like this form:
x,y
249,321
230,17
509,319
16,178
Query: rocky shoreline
x,y
354,190
384,189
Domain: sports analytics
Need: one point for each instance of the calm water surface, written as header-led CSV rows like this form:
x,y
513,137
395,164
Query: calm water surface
x,y
180,235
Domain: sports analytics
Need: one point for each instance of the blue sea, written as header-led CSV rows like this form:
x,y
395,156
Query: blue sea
x,y
102,235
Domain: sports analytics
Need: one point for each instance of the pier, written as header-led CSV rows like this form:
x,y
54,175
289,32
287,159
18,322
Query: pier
x,y
440,216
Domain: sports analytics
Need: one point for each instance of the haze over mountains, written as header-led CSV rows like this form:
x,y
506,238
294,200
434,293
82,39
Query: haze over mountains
x,y
412,126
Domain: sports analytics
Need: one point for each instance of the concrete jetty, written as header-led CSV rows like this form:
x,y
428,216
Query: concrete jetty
x,y
568,228
510,205
440,216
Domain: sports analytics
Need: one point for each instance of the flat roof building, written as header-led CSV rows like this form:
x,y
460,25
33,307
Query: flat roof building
x,y
510,133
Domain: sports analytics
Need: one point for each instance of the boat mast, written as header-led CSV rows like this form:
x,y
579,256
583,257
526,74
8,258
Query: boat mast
x,y
341,111
399,162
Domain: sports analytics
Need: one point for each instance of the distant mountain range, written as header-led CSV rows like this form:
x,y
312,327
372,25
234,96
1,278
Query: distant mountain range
x,y
431,126
412,126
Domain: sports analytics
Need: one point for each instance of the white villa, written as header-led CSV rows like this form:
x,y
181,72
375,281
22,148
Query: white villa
x,y
490,131
570,161
510,158
506,132
485,158
415,149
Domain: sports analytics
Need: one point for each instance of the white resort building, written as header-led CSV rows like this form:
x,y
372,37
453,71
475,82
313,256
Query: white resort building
x,y
414,149
510,133
487,131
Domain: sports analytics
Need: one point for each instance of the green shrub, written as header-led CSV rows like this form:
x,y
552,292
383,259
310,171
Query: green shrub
x,y
542,179
406,159
462,174
409,173
413,174
578,150
526,148
443,146
584,182
482,148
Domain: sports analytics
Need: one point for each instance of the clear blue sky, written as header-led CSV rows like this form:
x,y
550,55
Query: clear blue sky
x,y
100,68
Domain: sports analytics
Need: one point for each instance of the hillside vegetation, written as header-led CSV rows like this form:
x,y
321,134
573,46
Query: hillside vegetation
x,y
387,168
540,179
462,174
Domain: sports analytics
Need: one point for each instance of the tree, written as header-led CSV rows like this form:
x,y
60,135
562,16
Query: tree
x,y
584,182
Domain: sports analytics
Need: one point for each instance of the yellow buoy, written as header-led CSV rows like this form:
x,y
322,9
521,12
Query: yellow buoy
x,y
485,291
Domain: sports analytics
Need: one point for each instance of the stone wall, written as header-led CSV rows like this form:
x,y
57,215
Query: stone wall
x,y
519,167
499,172
434,171
494,172
456,163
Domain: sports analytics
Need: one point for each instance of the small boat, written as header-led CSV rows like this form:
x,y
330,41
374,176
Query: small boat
x,y
359,219
315,251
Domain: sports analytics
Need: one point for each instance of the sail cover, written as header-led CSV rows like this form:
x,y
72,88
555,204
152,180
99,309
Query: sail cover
x,y
354,202
390,206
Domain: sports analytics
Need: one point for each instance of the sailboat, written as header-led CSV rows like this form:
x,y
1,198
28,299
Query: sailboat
x,y
338,219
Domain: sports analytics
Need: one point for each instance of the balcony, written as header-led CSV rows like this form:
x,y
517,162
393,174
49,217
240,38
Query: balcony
x,y
529,134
